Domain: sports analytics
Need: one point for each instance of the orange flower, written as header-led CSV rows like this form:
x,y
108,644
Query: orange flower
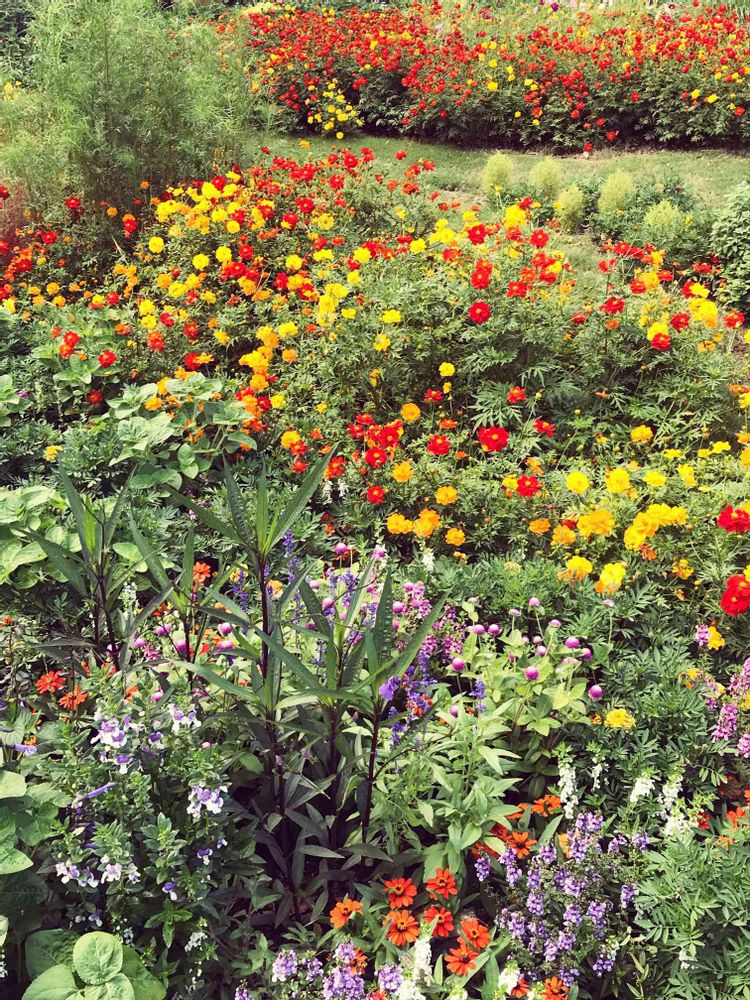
x,y
403,929
442,884
476,934
521,988
521,843
342,911
546,805
73,698
401,892
554,989
460,960
444,925
52,681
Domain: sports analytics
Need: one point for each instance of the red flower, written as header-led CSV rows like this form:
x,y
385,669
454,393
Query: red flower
x,y
438,444
376,494
461,960
661,342
376,457
433,396
544,427
94,398
107,359
477,234
680,321
613,306
476,934
493,438
50,681
480,312
734,519
517,290
516,394
736,597
528,486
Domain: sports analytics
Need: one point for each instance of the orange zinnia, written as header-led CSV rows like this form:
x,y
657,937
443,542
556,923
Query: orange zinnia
x,y
401,892
442,884
403,929
554,989
546,805
477,935
73,698
521,843
444,925
460,960
521,988
342,911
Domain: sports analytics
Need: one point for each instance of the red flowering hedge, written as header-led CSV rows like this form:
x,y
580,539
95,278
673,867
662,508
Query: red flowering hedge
x,y
474,74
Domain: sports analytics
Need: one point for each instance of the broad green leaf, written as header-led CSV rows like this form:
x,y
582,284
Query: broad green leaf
x,y
56,983
97,957
117,988
12,786
45,949
146,986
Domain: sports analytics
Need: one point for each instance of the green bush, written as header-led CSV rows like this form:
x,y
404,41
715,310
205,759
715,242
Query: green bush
x,y
546,176
616,191
497,172
570,208
731,243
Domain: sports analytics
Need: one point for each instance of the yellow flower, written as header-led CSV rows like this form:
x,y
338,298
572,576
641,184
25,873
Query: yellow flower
x,y
610,578
576,568
539,526
402,472
391,316
278,402
153,403
619,718
289,438
289,355
156,244
447,369
455,536
715,639
200,262
577,482
410,412
446,495
397,524
426,523
597,522
563,535
294,262
654,478
641,434
381,342
617,480
51,452
687,475
223,255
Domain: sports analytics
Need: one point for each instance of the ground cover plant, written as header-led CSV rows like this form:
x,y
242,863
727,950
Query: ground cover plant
x,y
374,579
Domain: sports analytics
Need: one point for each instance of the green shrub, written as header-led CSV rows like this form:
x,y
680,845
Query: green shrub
x,y
731,243
616,191
497,172
664,224
546,176
571,208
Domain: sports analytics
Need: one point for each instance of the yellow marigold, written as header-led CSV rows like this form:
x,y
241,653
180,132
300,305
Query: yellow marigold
x,y
654,478
687,475
426,523
610,578
446,495
617,480
539,526
597,522
641,434
455,536
402,472
381,342
391,316
153,403
410,412
289,354
156,244
201,262
563,535
576,568
289,438
577,482
447,369
619,718
397,524
51,452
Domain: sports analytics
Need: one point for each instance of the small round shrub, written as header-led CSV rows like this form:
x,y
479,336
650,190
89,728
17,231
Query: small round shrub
x,y
546,176
497,171
616,192
664,225
730,240
571,206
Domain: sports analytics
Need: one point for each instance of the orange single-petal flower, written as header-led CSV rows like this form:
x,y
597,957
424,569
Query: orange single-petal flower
x,y
476,934
443,921
342,911
403,928
520,842
460,960
554,989
442,884
401,892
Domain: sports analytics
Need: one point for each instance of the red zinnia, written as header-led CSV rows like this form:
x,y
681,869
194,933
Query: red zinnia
x,y
527,486
480,312
493,438
438,444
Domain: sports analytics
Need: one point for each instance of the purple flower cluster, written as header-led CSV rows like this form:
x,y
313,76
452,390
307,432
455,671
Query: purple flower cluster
x,y
730,716
566,910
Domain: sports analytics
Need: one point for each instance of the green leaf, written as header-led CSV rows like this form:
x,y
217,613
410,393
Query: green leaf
x,y
62,562
56,983
117,988
298,503
97,957
12,786
146,986
45,949
3,930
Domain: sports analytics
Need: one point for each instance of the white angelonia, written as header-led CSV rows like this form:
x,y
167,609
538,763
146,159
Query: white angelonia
x,y
596,775
507,981
423,958
428,560
408,990
669,794
678,826
568,788
642,787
